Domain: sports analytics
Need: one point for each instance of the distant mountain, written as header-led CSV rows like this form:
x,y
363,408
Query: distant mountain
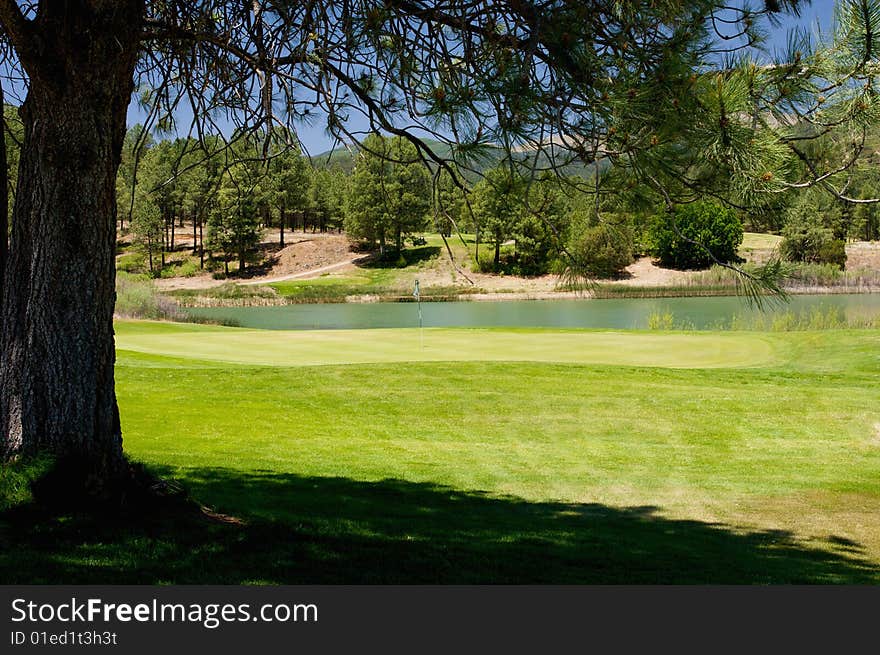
x,y
487,159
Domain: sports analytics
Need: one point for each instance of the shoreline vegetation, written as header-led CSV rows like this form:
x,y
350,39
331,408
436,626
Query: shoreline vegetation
x,y
138,299
806,280
316,269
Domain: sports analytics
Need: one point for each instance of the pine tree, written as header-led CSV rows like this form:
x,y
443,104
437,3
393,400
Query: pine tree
x,y
390,193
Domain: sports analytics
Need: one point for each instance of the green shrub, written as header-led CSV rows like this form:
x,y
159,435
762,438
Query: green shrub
x,y
188,267
602,250
813,233
535,248
486,264
813,245
702,228
833,252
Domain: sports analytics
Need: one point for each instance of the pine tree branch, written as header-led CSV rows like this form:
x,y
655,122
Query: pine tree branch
x,y
19,31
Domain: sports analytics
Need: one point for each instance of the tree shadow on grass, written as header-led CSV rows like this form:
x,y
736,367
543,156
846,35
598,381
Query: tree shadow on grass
x,y
336,530
407,257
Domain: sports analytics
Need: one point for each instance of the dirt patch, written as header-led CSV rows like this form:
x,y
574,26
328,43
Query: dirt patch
x,y
645,273
863,255
305,253
196,282
875,438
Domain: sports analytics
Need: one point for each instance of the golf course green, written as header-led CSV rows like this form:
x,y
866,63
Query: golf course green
x,y
489,455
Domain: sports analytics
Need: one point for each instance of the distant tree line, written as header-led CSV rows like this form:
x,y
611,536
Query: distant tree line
x,y
224,195
224,198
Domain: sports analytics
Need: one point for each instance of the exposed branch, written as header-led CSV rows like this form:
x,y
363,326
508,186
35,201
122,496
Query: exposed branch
x,y
20,32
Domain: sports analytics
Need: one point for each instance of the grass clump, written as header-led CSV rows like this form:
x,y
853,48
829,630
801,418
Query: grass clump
x,y
721,281
821,318
136,297
17,478
225,294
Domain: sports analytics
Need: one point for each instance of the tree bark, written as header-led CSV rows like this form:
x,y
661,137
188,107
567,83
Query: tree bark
x,y
57,325
171,240
201,244
4,196
477,245
283,216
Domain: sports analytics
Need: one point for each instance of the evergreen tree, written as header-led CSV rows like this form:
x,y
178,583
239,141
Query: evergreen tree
x,y
497,202
234,224
390,193
288,184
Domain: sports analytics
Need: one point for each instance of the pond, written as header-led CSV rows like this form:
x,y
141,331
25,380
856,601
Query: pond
x,y
696,313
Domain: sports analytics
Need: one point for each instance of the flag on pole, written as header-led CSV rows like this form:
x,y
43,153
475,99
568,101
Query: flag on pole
x,y
418,296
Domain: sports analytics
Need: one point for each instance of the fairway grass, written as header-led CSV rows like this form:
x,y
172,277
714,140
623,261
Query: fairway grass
x,y
496,455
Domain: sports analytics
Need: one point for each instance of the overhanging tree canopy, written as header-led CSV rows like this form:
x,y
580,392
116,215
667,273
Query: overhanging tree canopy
x,y
621,81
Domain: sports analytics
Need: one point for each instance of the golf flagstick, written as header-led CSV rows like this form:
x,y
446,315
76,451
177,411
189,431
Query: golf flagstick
x,y
418,296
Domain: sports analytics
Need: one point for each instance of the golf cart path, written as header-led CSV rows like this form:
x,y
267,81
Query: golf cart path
x,y
305,274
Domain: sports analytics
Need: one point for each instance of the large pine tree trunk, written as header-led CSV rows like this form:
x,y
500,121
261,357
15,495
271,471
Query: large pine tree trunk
x,y
4,196
57,325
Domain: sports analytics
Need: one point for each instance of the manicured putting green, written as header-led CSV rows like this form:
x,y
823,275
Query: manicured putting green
x,y
308,348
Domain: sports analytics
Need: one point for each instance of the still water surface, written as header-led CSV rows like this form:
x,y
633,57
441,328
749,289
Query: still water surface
x,y
699,313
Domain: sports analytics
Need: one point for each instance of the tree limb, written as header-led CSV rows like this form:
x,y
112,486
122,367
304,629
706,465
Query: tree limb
x,y
19,30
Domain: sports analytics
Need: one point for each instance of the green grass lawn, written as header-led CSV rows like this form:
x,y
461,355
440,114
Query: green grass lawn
x,y
487,456
753,240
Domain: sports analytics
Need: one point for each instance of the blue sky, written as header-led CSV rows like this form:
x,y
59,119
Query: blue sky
x,y
815,16
818,13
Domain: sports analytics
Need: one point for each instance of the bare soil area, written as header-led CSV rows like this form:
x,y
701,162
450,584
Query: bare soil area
x,y
305,252
862,255
643,272
302,254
